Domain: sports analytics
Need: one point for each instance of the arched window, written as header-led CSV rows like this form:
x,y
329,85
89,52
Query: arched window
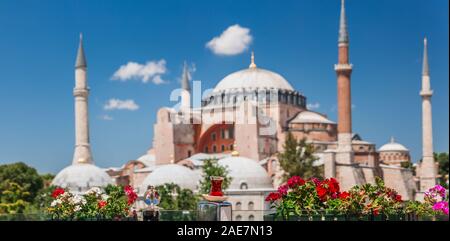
x,y
222,148
244,186
213,136
251,218
206,149
238,218
214,149
238,206
251,205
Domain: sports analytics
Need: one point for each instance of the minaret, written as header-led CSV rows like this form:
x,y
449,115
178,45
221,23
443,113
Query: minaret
x,y
252,61
342,164
186,89
344,70
427,168
82,152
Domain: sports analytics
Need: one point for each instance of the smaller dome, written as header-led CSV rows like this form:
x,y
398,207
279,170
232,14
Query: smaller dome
x,y
310,117
81,177
172,173
246,173
148,160
393,146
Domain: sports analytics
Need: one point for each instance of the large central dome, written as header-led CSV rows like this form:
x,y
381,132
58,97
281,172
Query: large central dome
x,y
253,78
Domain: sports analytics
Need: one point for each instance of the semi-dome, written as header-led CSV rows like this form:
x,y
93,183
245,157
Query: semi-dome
x,y
246,173
311,117
393,146
81,177
253,78
172,173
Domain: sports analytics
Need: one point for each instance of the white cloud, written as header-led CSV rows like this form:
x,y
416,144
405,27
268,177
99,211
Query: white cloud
x,y
150,71
106,117
312,106
234,40
116,104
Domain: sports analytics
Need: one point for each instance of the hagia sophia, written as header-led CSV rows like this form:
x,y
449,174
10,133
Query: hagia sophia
x,y
243,123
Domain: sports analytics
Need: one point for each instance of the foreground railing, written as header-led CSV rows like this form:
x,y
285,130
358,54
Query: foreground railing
x,y
238,215
355,217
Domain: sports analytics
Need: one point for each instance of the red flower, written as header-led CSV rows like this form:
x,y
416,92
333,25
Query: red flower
x,y
128,189
132,196
295,181
344,195
101,204
398,198
321,192
333,185
274,196
58,191
376,212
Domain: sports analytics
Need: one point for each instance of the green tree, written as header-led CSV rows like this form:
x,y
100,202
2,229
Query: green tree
x,y
26,177
172,197
409,165
12,198
442,159
210,169
297,159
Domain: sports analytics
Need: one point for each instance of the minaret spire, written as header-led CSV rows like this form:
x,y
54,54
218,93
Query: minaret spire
x,y
343,71
348,176
427,167
186,89
343,31
425,68
82,153
81,59
185,78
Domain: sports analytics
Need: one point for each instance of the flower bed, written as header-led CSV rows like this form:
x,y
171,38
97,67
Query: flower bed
x,y
112,204
322,200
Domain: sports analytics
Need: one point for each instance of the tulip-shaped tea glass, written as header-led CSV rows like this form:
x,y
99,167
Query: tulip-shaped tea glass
x,y
216,186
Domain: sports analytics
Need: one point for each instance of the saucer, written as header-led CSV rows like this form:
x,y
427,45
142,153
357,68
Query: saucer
x,y
214,198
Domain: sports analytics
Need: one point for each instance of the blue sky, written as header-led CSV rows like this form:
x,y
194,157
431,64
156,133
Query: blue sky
x,y
297,39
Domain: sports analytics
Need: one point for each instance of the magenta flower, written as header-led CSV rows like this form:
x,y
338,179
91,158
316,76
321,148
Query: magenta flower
x,y
283,189
436,194
441,206
316,181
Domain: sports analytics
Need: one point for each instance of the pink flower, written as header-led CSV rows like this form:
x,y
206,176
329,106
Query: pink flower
x,y
295,181
283,189
316,181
